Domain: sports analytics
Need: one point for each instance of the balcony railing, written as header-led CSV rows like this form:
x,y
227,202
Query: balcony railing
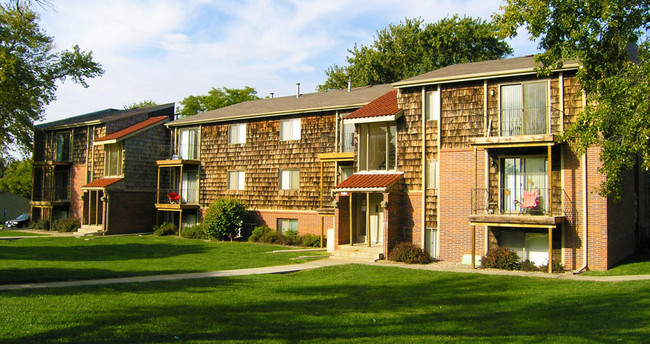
x,y
512,201
186,196
524,121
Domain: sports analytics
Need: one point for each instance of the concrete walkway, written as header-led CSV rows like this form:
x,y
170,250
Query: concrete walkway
x,y
440,266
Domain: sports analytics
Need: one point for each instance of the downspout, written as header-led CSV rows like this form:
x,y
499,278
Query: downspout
x,y
585,224
336,132
424,169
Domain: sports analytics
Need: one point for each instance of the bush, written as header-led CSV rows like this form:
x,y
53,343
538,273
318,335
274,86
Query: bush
x,y
258,233
193,232
528,265
311,240
272,237
40,224
164,229
410,254
224,218
66,225
557,267
291,237
501,258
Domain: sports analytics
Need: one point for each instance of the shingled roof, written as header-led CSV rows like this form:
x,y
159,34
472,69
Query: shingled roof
x,y
364,181
311,102
480,70
132,130
107,115
385,105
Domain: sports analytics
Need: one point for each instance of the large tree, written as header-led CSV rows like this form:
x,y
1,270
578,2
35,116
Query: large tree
x,y
17,178
30,69
412,47
216,98
142,104
604,36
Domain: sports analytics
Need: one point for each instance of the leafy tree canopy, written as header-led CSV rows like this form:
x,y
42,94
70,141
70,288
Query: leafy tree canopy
x,y
603,35
216,98
17,178
29,72
142,104
412,47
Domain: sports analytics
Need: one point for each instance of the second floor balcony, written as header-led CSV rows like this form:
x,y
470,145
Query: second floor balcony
x,y
51,184
178,184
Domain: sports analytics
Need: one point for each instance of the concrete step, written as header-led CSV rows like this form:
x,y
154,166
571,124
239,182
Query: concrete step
x,y
88,230
360,252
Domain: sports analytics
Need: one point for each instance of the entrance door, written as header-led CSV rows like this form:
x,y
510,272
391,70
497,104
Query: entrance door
x,y
376,219
361,226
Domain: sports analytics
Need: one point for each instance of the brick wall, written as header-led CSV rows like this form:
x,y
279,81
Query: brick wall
x,y
77,180
308,221
131,212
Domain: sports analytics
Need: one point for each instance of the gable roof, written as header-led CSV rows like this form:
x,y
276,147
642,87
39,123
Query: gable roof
x,y
280,106
132,130
524,65
106,115
365,181
385,105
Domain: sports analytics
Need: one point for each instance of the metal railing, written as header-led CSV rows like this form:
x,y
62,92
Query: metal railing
x,y
511,201
524,121
187,196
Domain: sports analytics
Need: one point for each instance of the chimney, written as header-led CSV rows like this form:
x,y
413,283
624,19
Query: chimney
x,y
297,89
349,84
271,95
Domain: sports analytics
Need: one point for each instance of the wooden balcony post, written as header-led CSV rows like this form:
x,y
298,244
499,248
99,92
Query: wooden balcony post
x,y
550,249
473,246
550,180
350,213
321,190
368,218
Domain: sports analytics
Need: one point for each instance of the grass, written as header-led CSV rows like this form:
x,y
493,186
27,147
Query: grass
x,y
349,303
16,232
638,264
63,259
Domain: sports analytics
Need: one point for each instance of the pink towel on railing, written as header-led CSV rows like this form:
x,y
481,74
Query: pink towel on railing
x,y
530,200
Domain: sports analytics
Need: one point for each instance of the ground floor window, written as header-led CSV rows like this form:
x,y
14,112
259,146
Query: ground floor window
x,y
530,244
431,242
287,224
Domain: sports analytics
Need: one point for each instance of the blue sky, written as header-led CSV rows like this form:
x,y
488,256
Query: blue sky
x,y
165,50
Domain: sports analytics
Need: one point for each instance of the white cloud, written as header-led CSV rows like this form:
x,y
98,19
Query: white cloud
x,y
166,50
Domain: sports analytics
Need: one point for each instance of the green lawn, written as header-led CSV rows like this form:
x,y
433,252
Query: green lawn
x,y
63,259
350,303
17,232
638,264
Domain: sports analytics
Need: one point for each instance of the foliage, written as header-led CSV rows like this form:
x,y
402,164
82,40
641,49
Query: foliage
x,y
603,36
17,178
215,99
143,104
224,217
291,237
409,253
557,267
528,265
193,232
69,224
165,228
312,240
501,258
412,47
40,224
30,72
258,233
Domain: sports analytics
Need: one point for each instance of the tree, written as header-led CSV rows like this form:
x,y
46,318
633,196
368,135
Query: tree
x,y
603,35
17,178
143,104
29,72
224,218
411,48
216,98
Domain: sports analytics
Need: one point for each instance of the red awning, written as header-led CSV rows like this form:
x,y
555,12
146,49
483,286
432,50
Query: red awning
x,y
364,181
101,183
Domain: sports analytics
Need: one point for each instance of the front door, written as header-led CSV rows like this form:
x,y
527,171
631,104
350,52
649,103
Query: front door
x,y
376,219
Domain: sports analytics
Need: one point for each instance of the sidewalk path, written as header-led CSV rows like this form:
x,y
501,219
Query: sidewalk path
x,y
175,277
440,266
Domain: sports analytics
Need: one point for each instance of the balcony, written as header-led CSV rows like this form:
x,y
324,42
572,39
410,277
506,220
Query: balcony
x,y
51,184
178,185
521,126
516,207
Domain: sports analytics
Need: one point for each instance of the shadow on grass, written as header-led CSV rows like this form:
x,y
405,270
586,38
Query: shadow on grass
x,y
41,275
352,303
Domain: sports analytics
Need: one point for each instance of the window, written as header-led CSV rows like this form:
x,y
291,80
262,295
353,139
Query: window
x,y
113,160
432,105
189,189
432,171
520,174
290,129
346,172
62,185
523,109
347,137
189,144
289,179
377,146
237,133
236,180
63,146
287,224
431,242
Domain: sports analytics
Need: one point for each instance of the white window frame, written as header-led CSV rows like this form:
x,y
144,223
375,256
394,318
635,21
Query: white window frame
x,y
240,181
290,129
237,133
108,152
291,225
185,150
432,174
432,107
289,179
